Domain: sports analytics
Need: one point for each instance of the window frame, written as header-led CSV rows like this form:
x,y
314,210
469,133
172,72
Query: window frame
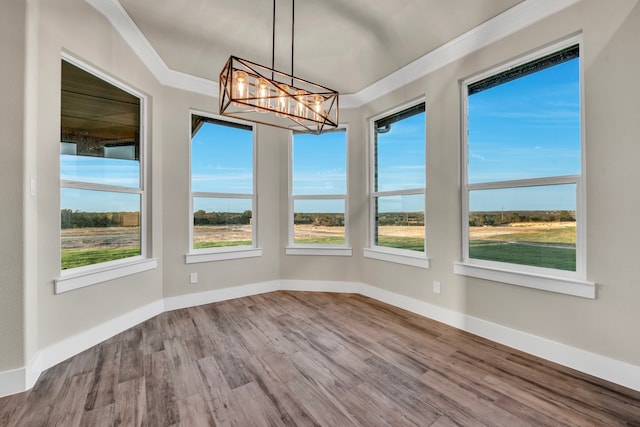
x,y
224,252
383,253
549,279
79,277
341,249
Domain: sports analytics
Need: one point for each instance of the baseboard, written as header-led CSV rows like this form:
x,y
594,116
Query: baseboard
x,y
13,381
606,368
217,295
320,286
69,347
622,373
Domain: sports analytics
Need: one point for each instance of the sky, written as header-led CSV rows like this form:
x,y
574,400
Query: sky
x,y
516,131
401,164
527,128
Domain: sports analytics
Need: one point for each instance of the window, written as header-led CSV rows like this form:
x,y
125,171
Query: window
x,y
318,190
398,179
102,194
523,204
222,188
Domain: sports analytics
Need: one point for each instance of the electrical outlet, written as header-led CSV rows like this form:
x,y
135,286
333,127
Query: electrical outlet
x,y
193,278
436,287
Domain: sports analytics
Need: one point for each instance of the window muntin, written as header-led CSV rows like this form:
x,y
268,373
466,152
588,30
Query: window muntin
x,y
318,189
101,194
523,200
398,180
222,184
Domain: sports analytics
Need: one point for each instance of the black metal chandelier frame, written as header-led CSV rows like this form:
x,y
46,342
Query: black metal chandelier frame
x,y
260,94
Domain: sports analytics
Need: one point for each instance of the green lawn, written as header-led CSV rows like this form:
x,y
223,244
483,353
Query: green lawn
x,y
221,244
324,240
411,243
72,258
535,255
565,235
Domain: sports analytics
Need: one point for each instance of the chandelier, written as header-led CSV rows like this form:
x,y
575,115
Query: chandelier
x,y
260,94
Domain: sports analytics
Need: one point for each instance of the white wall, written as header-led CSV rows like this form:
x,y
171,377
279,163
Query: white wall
x,y
604,326
74,27
12,70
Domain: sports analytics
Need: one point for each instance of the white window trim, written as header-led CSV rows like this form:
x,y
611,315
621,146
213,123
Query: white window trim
x,y
398,256
553,280
383,253
312,249
226,252
79,277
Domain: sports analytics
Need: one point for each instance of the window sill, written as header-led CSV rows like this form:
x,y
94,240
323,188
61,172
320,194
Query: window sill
x,y
319,250
417,259
76,280
560,285
222,255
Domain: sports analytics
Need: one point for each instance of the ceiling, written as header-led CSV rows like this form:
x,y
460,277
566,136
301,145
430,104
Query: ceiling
x,y
346,45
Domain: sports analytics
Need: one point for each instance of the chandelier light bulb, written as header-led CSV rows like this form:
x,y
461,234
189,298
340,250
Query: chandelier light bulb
x,y
240,86
318,107
283,100
263,103
301,107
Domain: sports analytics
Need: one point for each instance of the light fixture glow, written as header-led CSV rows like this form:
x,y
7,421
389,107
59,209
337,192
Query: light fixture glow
x,y
249,90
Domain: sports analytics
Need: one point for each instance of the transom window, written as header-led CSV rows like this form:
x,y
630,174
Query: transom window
x,y
222,184
523,204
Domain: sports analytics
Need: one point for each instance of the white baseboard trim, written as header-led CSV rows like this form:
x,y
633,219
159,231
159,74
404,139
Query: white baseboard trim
x,y
622,373
320,286
13,381
216,295
606,368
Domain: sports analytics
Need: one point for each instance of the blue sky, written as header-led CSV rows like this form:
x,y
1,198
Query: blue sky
x,y
527,128
99,170
516,131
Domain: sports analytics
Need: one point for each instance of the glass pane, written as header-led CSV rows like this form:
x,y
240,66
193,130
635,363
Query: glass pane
x,y
98,226
400,154
221,222
99,132
221,158
533,226
526,128
100,170
318,221
320,163
400,222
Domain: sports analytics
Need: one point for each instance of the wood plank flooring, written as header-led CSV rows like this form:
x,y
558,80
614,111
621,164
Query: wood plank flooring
x,y
311,359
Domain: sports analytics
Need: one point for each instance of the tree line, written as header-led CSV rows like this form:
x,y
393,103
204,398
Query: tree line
x,y
201,217
479,219
81,219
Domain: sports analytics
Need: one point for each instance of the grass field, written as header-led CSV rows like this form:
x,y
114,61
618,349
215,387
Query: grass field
x,y
71,258
524,254
220,244
550,245
321,240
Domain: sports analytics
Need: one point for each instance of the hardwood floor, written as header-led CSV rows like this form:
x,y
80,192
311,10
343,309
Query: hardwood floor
x,y
299,358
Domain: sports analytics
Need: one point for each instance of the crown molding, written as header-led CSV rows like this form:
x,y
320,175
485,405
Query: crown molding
x,y
124,25
512,20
